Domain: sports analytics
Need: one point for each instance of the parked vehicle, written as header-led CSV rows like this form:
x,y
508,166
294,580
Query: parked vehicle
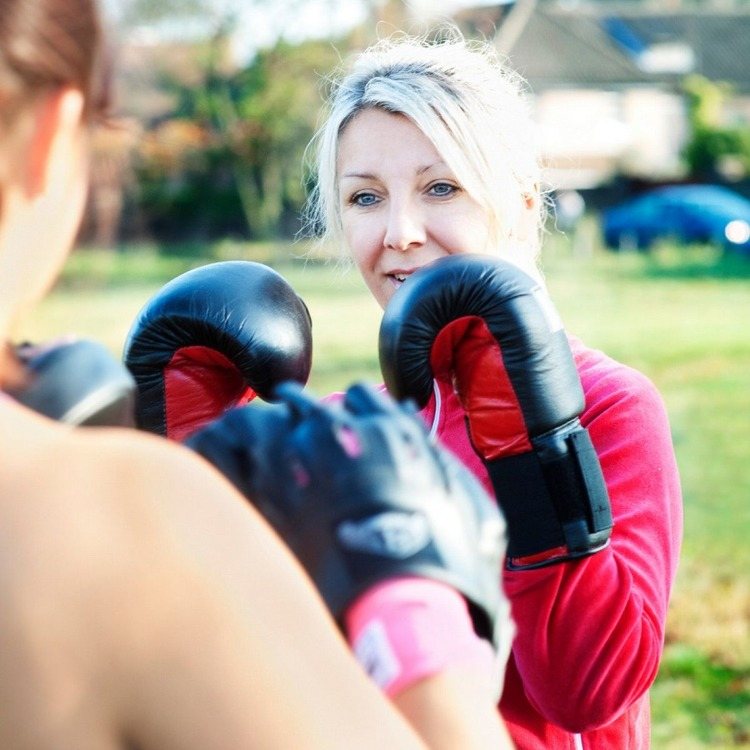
x,y
685,213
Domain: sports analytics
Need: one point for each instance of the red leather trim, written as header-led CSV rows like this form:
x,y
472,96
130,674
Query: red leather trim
x,y
200,384
466,353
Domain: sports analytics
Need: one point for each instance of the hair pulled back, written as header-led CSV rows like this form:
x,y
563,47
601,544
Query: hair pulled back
x,y
49,44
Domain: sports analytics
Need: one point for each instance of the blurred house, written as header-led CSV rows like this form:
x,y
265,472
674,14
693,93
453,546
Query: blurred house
x,y
606,78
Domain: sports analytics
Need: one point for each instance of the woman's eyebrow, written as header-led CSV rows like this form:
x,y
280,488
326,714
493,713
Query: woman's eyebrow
x,y
371,176
428,167
359,175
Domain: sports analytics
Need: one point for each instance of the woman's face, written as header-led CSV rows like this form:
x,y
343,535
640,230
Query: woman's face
x,y
401,206
44,193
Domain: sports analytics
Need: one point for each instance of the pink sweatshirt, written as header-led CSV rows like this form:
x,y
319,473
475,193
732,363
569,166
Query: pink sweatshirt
x,y
590,633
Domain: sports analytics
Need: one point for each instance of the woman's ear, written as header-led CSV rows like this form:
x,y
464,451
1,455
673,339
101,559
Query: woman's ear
x,y
527,225
56,126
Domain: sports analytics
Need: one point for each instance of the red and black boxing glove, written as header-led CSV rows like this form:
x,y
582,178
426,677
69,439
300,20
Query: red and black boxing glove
x,y
214,338
491,329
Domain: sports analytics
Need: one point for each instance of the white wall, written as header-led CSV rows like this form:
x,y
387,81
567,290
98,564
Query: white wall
x,y
589,136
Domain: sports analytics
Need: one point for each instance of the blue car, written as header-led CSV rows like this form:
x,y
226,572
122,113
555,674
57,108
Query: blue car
x,y
684,213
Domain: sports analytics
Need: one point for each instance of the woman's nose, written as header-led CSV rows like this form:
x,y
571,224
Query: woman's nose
x,y
405,228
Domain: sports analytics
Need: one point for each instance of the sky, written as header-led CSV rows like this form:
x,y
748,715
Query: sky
x,y
260,23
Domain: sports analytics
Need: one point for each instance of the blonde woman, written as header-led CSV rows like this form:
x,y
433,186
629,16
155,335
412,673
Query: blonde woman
x,y
428,151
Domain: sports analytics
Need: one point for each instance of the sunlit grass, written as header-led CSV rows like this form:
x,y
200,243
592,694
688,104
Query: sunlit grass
x,y
700,702
680,315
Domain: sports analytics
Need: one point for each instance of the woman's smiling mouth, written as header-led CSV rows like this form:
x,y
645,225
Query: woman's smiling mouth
x,y
398,277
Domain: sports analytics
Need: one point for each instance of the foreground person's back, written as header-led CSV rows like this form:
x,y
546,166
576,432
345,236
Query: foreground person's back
x,y
125,623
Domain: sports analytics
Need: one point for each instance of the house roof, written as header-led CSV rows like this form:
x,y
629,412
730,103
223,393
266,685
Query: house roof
x,y
720,41
606,45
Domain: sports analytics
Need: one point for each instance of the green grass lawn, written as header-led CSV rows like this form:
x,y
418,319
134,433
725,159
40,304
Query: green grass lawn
x,y
682,316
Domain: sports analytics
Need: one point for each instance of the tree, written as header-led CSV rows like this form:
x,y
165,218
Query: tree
x,y
232,148
266,115
240,148
714,146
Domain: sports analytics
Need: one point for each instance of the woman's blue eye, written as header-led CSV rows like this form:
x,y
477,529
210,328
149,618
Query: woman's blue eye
x,y
442,189
364,199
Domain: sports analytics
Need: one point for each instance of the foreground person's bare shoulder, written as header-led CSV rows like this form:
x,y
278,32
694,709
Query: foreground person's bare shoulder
x,y
89,485
112,610
144,606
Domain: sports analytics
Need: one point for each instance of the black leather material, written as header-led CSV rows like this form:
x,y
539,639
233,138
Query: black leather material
x,y
518,314
77,382
553,496
361,494
245,311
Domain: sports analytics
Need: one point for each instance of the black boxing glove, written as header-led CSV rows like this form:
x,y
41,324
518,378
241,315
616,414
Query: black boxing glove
x,y
361,495
491,329
214,338
77,382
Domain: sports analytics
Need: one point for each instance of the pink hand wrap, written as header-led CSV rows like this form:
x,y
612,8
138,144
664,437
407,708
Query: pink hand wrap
x,y
408,629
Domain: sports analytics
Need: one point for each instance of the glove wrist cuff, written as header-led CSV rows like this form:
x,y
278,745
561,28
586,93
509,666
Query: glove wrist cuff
x,y
392,632
554,499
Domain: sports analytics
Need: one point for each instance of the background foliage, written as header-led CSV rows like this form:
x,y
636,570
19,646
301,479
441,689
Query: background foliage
x,y
228,160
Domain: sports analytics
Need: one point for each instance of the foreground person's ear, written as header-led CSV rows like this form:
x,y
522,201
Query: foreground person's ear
x,y
57,123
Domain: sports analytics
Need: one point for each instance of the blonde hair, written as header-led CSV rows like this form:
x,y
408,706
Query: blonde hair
x,y
470,106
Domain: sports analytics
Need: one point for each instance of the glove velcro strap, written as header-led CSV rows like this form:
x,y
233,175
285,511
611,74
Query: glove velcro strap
x,y
554,499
